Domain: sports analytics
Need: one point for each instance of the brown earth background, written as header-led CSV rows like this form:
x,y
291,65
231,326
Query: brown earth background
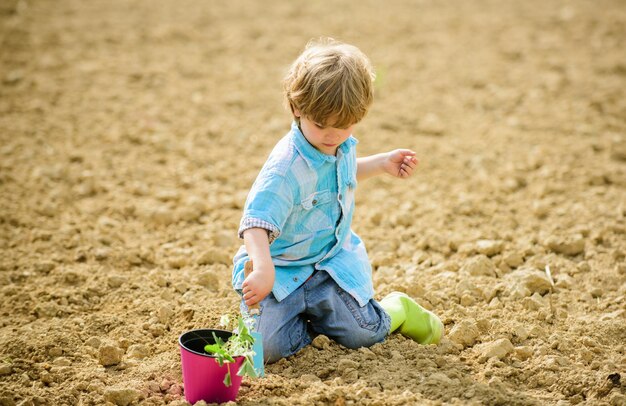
x,y
131,131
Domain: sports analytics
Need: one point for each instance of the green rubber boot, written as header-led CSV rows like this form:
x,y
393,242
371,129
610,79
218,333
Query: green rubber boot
x,y
412,319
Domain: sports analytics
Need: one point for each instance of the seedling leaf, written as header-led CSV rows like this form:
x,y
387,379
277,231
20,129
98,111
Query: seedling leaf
x,y
247,369
239,344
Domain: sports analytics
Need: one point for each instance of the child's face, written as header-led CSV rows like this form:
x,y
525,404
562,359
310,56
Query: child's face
x,y
324,139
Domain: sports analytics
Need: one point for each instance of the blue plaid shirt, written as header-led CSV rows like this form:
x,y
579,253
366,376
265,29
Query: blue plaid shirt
x,y
305,199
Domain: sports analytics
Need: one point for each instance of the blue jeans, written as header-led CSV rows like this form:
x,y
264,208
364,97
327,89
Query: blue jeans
x,y
319,306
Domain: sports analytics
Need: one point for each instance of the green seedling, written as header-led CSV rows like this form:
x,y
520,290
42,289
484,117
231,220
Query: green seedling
x,y
238,345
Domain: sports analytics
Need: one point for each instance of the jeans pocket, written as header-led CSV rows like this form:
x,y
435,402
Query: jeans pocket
x,y
366,317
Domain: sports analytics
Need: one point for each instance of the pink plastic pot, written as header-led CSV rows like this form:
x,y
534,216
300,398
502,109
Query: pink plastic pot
x,y
203,377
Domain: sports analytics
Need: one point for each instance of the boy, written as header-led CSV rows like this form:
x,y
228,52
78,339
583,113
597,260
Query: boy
x,y
311,272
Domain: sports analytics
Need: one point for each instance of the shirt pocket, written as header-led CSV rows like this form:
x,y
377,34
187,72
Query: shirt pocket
x,y
315,212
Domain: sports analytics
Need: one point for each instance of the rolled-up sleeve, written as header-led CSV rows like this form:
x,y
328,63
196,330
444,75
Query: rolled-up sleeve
x,y
268,205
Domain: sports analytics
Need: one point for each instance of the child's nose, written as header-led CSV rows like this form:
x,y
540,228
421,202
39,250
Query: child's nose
x,y
336,134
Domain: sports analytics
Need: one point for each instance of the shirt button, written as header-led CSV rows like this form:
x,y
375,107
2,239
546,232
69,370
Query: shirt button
x,y
340,197
295,279
314,202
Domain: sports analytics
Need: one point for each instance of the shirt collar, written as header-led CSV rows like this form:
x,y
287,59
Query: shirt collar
x,y
311,155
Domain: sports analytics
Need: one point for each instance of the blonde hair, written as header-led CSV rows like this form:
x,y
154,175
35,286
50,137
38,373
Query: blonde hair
x,y
330,80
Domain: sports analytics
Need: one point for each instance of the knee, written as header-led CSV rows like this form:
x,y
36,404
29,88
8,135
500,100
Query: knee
x,y
272,351
361,338
282,344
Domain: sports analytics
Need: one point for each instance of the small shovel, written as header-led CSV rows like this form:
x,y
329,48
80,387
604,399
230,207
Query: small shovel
x,y
254,311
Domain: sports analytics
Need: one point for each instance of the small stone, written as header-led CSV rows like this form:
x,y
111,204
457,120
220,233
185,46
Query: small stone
x,y
157,330
62,362
367,353
46,377
93,342
71,277
537,282
350,375
514,183
479,266
583,266
310,378
47,310
596,292
225,239
524,352
438,380
523,282
321,342
159,279
615,315
109,354
431,124
208,279
138,351
102,254
573,245
13,77
80,256
514,259
168,195
178,262
467,300
495,349
213,256
347,363
495,303
175,389
124,343
536,331
164,314
115,281
541,209
55,352
44,266
95,387
564,281
188,213
464,333
153,387
165,384
489,247
465,287
491,291
535,302
618,148
5,369
163,215
521,332
483,325
181,287
121,396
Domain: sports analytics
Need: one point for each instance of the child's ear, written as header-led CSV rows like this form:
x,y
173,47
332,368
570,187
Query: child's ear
x,y
296,112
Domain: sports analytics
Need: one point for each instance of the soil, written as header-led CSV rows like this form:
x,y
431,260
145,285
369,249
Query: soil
x,y
131,131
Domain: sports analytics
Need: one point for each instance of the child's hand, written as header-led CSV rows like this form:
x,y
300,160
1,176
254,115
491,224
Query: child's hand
x,y
259,283
400,163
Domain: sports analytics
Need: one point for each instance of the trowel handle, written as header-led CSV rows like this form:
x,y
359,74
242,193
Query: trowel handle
x,y
247,270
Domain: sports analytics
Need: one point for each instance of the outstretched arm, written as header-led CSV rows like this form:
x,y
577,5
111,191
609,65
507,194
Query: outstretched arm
x,y
260,282
399,163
